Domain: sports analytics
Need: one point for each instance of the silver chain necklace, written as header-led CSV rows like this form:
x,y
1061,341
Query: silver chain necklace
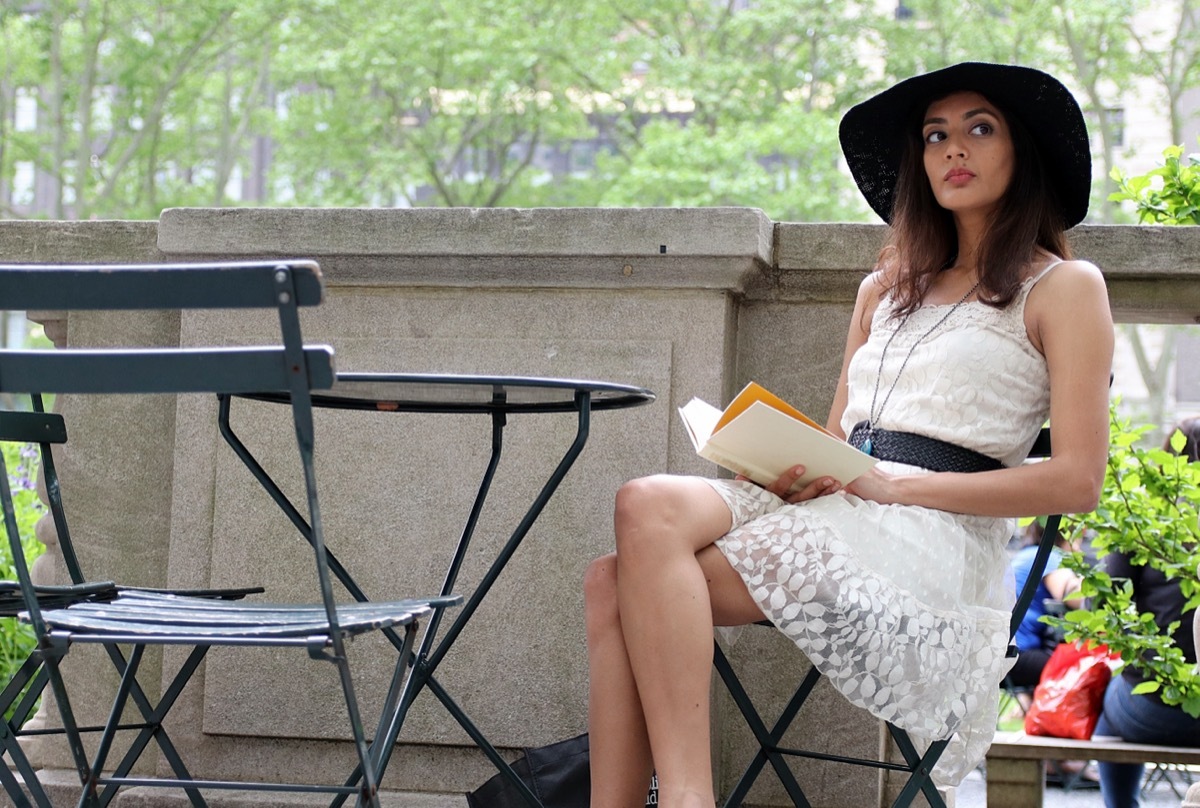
x,y
875,413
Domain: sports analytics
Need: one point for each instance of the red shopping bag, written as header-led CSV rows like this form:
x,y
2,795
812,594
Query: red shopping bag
x,y
1070,693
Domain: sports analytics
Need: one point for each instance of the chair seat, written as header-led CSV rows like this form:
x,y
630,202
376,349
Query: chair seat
x,y
61,596
12,602
173,617
236,593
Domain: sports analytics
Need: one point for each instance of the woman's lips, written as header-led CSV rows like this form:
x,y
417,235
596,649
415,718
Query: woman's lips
x,y
958,176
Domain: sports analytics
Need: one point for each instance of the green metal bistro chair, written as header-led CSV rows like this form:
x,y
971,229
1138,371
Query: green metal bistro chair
x,y
20,697
917,766
141,618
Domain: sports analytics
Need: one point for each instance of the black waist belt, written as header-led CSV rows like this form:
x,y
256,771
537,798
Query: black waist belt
x,y
918,450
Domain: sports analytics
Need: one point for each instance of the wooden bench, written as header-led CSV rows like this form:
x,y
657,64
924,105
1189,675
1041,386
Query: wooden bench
x,y
1016,762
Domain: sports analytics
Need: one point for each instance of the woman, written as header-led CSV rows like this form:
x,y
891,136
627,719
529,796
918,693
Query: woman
x,y
1144,718
972,330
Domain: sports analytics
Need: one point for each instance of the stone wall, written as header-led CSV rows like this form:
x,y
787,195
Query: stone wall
x,y
685,302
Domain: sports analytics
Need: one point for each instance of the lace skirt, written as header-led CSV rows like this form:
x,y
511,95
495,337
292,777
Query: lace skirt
x,y
905,609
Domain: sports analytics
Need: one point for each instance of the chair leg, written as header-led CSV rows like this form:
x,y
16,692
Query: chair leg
x,y
768,740
25,688
369,788
14,790
921,768
391,719
33,686
395,705
90,772
153,729
52,649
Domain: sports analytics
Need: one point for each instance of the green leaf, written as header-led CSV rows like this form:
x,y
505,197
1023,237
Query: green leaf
x,y
1179,440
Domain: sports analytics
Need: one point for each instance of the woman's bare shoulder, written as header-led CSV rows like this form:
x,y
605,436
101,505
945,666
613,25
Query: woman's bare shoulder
x,y
874,286
871,292
1067,283
1071,301
1073,273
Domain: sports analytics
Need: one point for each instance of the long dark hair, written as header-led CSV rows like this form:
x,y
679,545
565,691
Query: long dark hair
x,y
922,240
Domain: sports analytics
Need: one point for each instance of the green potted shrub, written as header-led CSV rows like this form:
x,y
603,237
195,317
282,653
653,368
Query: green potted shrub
x,y
1148,508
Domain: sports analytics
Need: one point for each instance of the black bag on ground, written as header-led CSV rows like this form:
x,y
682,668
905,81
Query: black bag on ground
x,y
559,775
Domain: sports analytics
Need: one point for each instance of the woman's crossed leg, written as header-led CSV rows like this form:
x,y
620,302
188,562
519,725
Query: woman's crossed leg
x,y
651,608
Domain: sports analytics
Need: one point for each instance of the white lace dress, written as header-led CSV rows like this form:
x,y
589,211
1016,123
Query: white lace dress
x,y
906,609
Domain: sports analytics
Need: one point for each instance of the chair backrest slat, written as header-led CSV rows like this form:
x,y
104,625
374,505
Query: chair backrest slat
x,y
162,286
178,370
32,427
1041,446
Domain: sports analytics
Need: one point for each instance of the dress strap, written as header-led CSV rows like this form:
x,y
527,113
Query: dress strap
x,y
1045,269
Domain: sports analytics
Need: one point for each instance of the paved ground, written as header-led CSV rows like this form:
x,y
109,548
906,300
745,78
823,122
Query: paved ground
x,y
973,794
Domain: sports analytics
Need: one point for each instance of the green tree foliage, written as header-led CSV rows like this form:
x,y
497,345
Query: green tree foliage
x,y
16,639
745,107
1169,194
1148,506
146,105
442,103
141,105
1170,53
1148,509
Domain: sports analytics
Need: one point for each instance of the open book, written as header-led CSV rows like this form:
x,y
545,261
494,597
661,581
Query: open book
x,y
760,436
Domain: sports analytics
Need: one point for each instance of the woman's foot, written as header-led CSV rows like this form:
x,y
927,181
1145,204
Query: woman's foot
x,y
1072,774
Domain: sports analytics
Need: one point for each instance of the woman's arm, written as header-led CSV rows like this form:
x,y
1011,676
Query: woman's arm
x,y
870,291
1068,320
1062,582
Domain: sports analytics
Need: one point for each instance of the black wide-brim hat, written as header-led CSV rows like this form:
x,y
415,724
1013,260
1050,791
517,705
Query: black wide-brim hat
x,y
873,132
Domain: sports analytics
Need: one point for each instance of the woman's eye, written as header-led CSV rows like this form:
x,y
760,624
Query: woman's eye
x,y
935,136
981,129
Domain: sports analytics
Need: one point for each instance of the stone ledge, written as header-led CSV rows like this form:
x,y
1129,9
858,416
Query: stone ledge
x,y
89,242
496,246
476,231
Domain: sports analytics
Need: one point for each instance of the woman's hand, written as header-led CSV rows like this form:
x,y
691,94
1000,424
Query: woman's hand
x,y
875,485
782,487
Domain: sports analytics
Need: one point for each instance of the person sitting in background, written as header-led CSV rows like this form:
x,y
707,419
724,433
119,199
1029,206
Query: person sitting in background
x,y
1035,640
1144,718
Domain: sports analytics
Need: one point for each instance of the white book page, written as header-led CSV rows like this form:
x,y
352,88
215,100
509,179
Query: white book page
x,y
699,418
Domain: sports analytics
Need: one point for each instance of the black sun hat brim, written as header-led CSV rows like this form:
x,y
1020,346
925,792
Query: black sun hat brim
x,y
873,132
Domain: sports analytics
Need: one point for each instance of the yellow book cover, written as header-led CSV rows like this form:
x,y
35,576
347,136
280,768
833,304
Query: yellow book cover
x,y
759,436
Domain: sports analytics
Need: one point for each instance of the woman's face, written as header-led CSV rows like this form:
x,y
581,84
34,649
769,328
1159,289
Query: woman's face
x,y
969,153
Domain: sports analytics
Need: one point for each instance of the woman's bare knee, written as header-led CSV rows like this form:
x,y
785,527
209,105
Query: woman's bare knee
x,y
642,515
667,514
639,501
